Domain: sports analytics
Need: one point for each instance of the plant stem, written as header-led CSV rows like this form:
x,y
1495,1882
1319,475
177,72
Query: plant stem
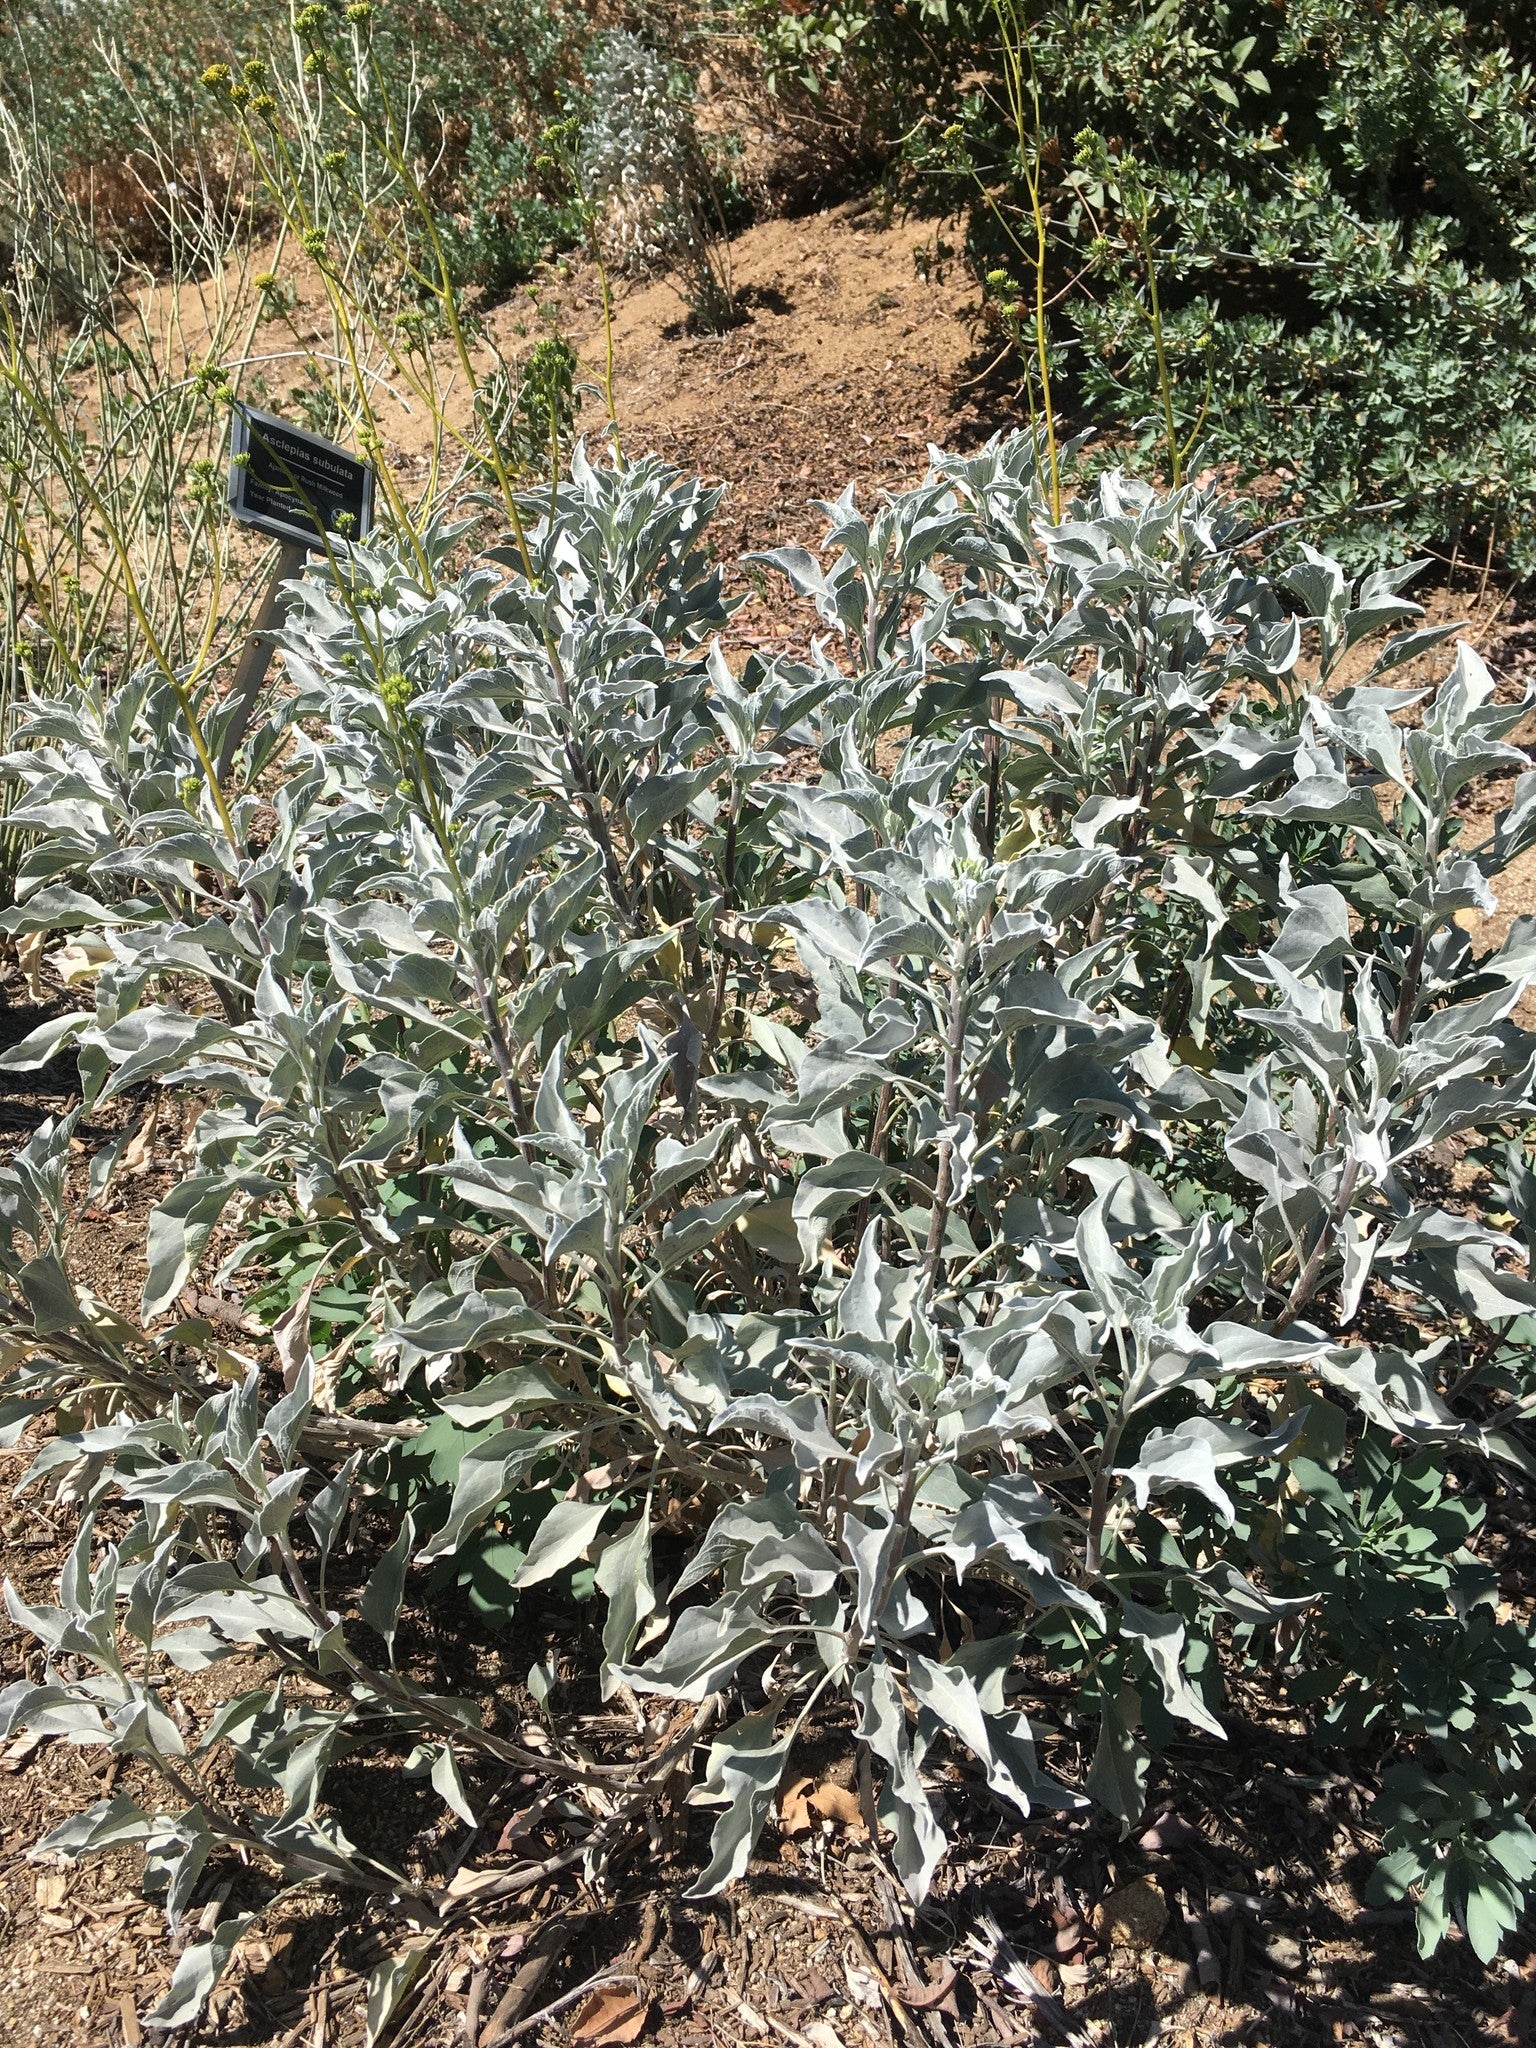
x,y
1098,1505
954,1048
1024,111
1311,1273
1164,381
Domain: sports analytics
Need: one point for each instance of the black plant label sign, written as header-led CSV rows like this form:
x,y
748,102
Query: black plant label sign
x,y
296,485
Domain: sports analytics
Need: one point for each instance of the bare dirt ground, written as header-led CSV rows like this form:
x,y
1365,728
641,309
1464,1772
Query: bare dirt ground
x,y
1237,1916
856,353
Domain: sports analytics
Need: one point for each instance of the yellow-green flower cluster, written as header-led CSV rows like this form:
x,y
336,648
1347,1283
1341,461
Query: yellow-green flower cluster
x,y
202,482
249,89
213,381
395,691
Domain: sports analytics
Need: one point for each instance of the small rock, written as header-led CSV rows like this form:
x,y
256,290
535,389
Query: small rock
x,y
1284,1951
1134,1916
1224,1904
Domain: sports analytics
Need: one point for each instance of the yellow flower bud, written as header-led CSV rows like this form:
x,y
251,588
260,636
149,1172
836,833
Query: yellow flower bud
x,y
396,692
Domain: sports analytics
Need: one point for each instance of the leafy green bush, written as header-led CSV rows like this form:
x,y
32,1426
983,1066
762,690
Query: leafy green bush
x,y
919,1126
1343,213
1341,210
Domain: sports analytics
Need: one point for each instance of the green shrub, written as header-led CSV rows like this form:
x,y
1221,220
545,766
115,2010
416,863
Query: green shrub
x,y
1344,206
944,1129
1341,213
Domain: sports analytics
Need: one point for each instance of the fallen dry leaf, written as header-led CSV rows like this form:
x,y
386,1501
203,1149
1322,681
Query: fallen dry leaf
x,y
924,1997
837,1803
140,1148
29,953
52,1888
795,1807
801,1803
524,1821
1169,1832
611,2017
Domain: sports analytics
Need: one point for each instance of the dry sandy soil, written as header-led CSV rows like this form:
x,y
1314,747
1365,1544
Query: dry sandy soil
x,y
1238,1918
857,352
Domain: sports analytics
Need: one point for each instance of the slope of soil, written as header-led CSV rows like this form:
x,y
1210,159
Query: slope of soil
x,y
856,352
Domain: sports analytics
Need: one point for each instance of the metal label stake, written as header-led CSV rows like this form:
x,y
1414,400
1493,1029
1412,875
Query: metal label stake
x,y
256,655
301,489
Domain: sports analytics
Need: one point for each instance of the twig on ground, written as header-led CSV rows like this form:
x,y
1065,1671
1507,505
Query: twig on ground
x,y
476,1998
1207,1969
534,1966
914,2022
1002,1960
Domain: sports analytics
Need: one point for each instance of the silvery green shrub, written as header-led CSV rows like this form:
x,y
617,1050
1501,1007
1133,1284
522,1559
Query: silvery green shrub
x,y
964,1110
642,165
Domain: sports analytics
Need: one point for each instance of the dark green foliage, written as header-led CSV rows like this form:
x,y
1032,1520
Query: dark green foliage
x,y
1343,204
1465,1857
